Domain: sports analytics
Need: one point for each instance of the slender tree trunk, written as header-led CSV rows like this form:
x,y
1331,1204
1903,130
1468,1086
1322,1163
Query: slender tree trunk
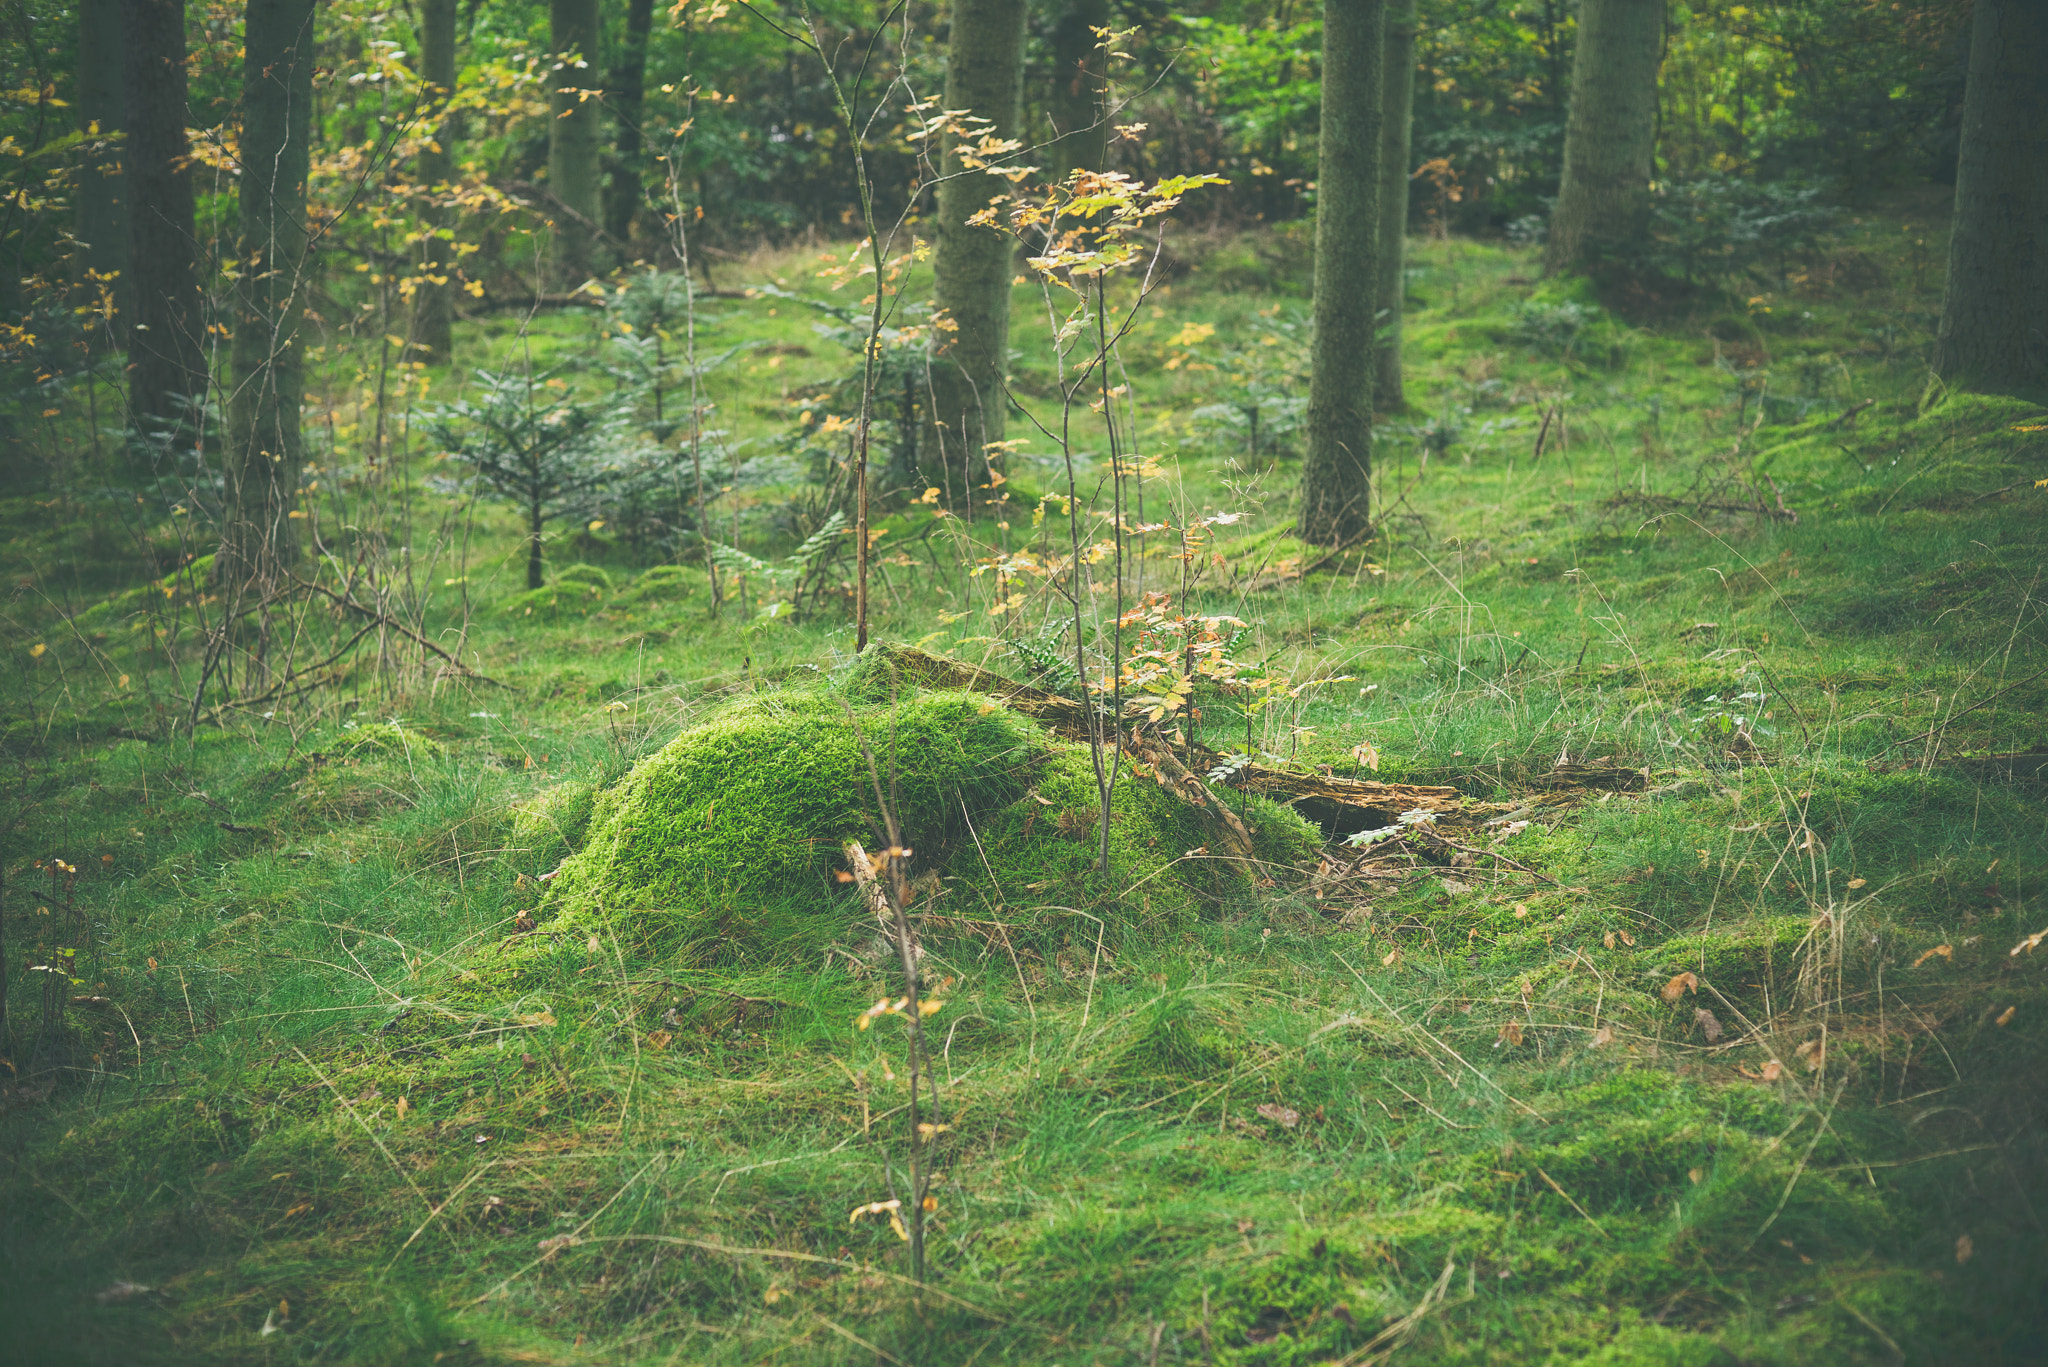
x,y
102,114
166,363
1397,118
268,379
1611,132
985,76
435,299
536,520
575,140
1994,311
1336,472
1074,104
627,95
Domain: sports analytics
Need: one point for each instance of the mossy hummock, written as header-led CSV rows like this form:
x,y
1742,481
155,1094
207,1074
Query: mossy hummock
x,y
727,844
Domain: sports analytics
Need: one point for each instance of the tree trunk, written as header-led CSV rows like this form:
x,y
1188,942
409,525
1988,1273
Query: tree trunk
x,y
1611,133
270,294
1994,311
536,520
101,100
166,363
1336,472
435,299
1074,104
627,96
972,267
575,140
1397,119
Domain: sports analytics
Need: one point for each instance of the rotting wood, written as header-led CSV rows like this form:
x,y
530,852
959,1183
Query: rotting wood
x,y
1331,802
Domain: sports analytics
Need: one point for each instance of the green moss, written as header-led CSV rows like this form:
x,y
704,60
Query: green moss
x,y
661,587
553,602
551,823
589,575
383,740
1743,961
726,840
1045,849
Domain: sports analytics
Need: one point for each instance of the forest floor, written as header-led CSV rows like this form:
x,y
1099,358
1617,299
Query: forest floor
x,y
1725,1048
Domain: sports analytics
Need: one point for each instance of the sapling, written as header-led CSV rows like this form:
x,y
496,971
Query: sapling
x,y
533,442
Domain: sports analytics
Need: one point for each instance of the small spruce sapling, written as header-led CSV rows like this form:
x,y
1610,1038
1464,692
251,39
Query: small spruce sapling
x,y
535,443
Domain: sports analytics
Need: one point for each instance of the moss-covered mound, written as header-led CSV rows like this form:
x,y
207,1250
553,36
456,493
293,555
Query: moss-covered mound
x,y
727,845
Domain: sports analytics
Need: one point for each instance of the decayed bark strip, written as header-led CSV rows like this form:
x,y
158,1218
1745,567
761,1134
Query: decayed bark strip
x,y
1324,799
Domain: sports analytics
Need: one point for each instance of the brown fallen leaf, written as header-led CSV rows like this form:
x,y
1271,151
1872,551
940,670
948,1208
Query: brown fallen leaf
x,y
2005,1016
1680,985
1608,939
1773,1071
1855,883
403,1107
658,1039
1709,1025
1603,1037
1626,938
1939,951
1393,957
1966,1248
1511,1033
1284,1116
538,1018
523,922
1814,1052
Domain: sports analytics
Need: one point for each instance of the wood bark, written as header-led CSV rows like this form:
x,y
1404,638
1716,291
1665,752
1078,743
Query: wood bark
x,y
1341,805
269,295
101,101
167,369
1073,104
627,91
575,139
1336,471
1611,130
1994,310
1397,122
434,302
972,266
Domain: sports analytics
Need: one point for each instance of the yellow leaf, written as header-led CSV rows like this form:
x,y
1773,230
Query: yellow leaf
x,y
1855,883
538,1018
1393,957
35,652
1939,951
930,1007
403,1107
658,1039
2005,1016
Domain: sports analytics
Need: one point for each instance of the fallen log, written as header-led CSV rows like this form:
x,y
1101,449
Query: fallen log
x,y
1340,806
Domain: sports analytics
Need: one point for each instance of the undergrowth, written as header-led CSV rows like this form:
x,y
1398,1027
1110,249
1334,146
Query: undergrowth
x,y
464,1023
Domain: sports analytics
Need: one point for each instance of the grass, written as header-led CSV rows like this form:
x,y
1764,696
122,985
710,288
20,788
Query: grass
x,y
1445,1110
